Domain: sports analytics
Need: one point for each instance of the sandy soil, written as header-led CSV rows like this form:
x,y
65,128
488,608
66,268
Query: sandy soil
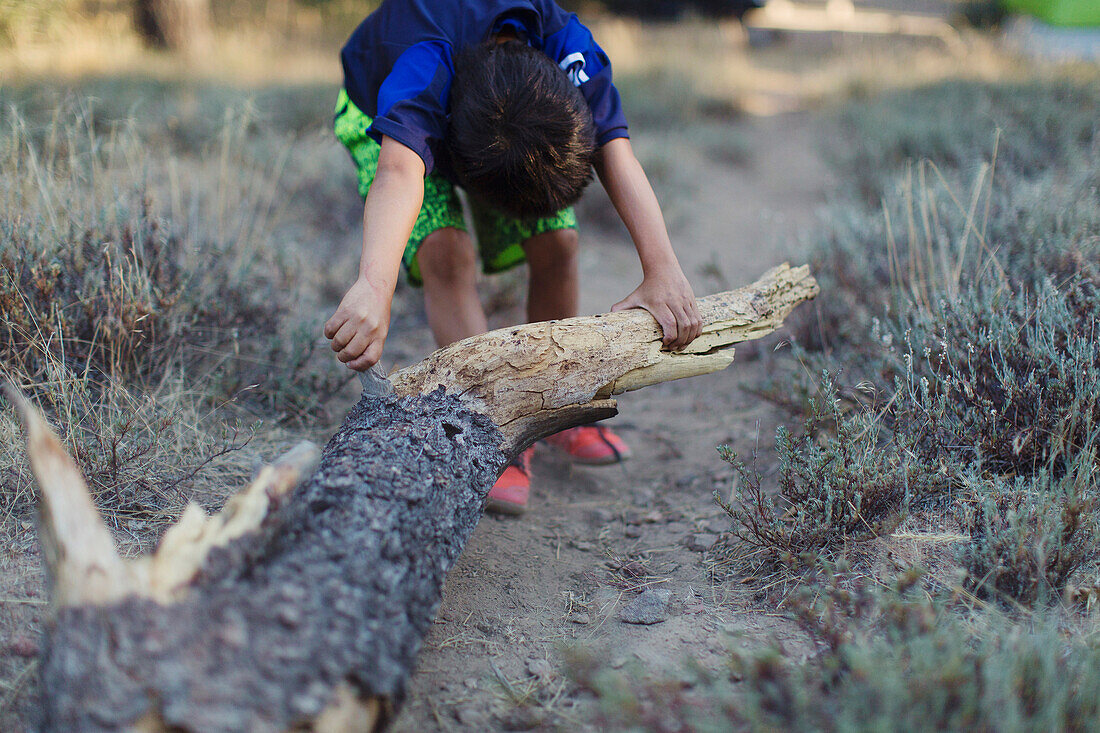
x,y
595,537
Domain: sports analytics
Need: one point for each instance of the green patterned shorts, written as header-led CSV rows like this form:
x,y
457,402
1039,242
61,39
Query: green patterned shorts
x,y
499,237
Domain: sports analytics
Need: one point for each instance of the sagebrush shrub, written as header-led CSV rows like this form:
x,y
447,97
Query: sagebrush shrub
x,y
840,480
965,313
876,655
891,658
96,274
1030,536
1042,124
1009,382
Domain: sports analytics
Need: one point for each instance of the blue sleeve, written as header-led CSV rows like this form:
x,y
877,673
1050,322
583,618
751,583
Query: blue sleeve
x,y
574,49
412,101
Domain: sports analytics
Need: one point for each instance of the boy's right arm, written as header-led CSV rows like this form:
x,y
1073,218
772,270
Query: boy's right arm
x,y
358,328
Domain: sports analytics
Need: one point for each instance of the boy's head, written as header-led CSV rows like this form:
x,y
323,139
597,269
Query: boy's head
x,y
521,135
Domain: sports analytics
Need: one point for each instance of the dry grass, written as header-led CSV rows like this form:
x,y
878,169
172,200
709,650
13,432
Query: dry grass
x,y
156,303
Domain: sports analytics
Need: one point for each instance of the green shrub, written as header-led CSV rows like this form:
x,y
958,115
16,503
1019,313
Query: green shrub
x,y
967,319
95,275
969,197
1012,381
839,482
1030,537
114,266
143,453
893,659
1039,125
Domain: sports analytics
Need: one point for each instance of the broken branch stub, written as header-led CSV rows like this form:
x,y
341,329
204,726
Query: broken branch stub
x,y
81,558
81,561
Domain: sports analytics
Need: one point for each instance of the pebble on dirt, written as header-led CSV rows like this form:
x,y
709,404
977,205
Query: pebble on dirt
x,y
701,541
651,607
540,668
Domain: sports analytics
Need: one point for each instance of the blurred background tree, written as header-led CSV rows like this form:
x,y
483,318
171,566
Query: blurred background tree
x,y
177,25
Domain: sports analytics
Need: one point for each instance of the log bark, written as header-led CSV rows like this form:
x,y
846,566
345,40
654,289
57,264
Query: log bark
x,y
304,609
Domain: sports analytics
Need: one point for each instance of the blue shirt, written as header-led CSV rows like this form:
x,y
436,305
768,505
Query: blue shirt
x,y
398,64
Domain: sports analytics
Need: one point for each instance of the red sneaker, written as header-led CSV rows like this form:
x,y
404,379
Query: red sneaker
x,y
509,494
593,444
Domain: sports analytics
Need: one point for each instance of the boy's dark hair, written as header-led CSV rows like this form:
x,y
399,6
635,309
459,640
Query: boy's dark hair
x,y
521,136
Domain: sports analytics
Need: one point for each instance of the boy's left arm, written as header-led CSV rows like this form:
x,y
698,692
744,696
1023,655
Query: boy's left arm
x,y
665,291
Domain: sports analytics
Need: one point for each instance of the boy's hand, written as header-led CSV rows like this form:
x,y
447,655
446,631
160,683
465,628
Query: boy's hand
x,y
669,298
664,291
358,328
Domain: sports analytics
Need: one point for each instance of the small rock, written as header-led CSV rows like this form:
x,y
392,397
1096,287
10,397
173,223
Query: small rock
x,y
651,607
470,682
540,668
601,516
632,531
488,627
581,618
618,662
678,527
472,718
582,545
289,616
701,541
23,646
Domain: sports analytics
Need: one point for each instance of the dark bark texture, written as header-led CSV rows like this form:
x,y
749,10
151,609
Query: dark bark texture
x,y
340,584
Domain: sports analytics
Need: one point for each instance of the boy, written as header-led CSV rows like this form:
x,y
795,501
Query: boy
x,y
513,101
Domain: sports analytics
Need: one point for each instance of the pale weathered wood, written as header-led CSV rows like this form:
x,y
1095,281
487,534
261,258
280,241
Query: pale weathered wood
x,y
306,611
82,563
520,376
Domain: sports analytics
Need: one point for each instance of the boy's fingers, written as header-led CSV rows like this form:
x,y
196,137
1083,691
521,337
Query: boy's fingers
x,y
343,336
332,325
691,325
681,329
667,320
369,357
361,364
354,348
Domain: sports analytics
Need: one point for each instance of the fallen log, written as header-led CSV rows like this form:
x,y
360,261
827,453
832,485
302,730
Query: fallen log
x,y
304,608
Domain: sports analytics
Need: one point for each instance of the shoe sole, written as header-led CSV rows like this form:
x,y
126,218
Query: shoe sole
x,y
496,506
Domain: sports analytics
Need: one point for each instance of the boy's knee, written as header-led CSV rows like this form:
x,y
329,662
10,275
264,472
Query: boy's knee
x,y
553,250
448,256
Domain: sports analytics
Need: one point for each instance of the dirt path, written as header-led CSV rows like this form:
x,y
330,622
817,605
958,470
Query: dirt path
x,y
525,588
